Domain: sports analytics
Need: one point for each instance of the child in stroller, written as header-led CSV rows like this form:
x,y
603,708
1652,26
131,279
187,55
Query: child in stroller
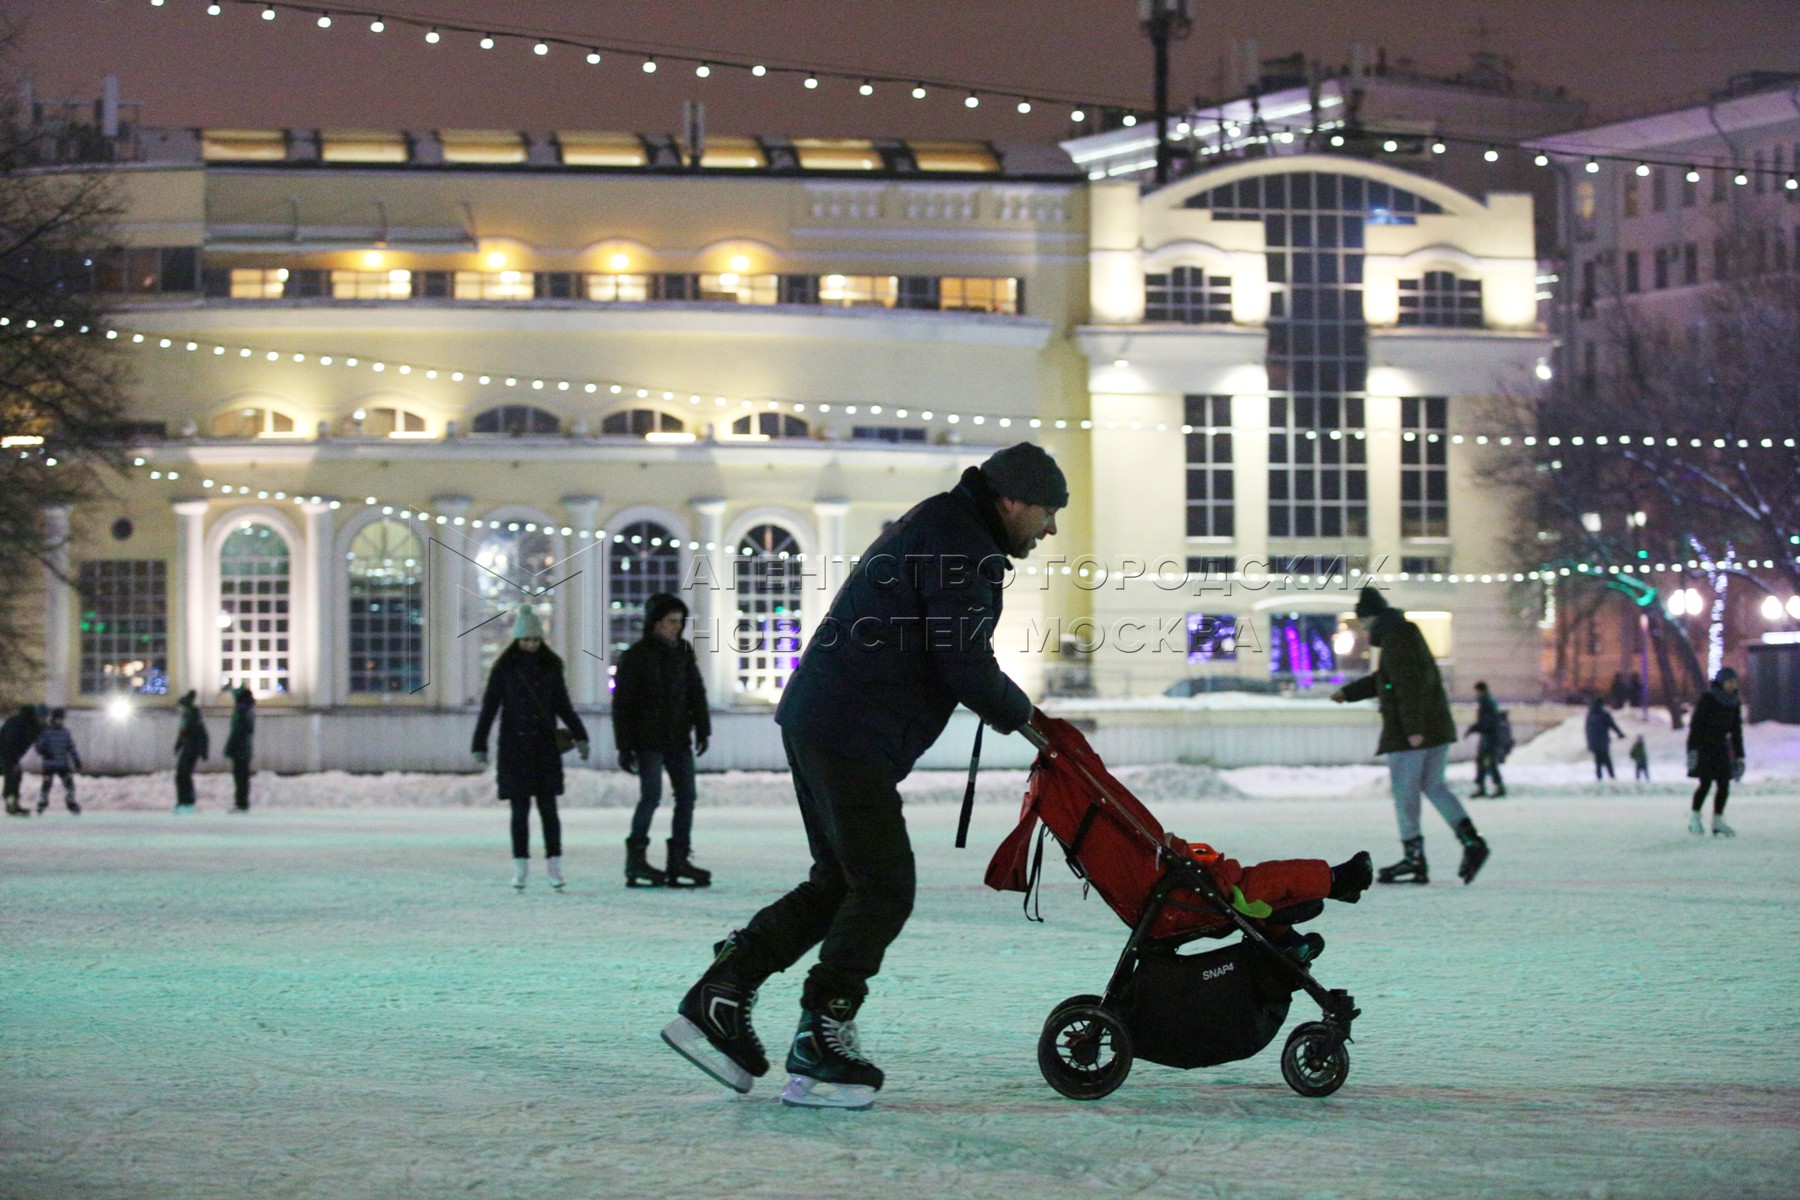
x,y
1181,1010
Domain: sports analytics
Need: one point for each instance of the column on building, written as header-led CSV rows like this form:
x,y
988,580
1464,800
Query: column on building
x,y
585,623
450,575
1382,413
318,622
192,616
58,596
828,515
715,611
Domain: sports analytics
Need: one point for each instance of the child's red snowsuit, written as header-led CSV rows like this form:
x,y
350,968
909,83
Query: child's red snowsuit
x,y
1119,860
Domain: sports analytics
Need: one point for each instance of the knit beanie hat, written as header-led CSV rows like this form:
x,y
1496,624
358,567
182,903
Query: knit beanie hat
x,y
661,605
1725,676
1028,474
1370,602
527,625
188,698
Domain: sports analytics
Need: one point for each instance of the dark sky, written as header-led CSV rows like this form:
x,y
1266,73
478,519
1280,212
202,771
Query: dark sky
x,y
187,68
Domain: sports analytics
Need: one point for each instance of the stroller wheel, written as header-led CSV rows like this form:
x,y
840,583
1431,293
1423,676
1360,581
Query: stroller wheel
x,y
1315,1060
1085,1050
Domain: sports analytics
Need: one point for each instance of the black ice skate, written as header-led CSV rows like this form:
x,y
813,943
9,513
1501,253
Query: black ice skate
x,y
713,1031
682,872
1475,851
1350,879
638,871
1410,869
824,1067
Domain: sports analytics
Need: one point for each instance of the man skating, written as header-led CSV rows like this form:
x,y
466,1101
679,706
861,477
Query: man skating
x,y
17,736
59,758
1416,732
907,638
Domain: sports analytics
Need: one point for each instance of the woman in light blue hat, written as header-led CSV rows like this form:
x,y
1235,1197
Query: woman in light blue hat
x,y
527,691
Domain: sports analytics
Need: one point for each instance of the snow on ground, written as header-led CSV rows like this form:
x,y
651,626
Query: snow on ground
x,y
352,1002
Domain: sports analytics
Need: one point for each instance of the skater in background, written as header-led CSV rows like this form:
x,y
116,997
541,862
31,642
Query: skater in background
x,y
1487,745
1640,759
1600,724
192,745
1416,732
18,735
909,635
240,746
1715,749
59,757
526,689
659,701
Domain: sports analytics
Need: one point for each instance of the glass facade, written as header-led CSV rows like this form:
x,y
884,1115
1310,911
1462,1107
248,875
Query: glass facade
x,y
253,610
387,609
642,559
768,585
125,627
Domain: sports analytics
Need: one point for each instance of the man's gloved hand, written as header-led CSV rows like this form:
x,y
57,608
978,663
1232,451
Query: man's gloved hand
x,y
581,748
1693,760
700,745
628,761
480,757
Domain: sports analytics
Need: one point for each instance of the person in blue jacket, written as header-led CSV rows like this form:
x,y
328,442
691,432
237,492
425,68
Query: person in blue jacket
x,y
908,637
57,752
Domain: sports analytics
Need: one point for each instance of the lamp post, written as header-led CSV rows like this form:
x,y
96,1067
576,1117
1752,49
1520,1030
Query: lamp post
x,y
1163,20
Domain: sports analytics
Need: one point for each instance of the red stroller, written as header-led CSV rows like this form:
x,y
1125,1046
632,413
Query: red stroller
x,y
1181,1010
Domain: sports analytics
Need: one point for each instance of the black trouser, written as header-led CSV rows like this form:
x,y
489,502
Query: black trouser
x,y
680,766
1487,766
184,778
860,891
1603,760
1642,771
15,779
51,775
1719,797
521,826
240,779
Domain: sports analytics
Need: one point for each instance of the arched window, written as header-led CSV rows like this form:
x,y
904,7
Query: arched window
x,y
253,422
768,587
771,425
516,420
642,559
387,609
253,610
383,421
636,422
512,564
1187,295
1441,298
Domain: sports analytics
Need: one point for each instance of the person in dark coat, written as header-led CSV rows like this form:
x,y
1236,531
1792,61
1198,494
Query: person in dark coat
x,y
1715,749
1416,732
1640,759
58,756
192,745
908,637
1600,725
1487,744
240,746
17,736
658,703
526,689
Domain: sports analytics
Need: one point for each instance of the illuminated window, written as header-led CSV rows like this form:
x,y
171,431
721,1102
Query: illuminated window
x,y
602,150
516,420
243,145
495,285
253,423
770,425
383,421
1441,299
254,283
482,146
371,285
732,153
978,295
1187,295
618,287
837,154
741,289
362,146
769,587
387,609
972,157
636,422
124,627
641,560
858,291
512,564
253,610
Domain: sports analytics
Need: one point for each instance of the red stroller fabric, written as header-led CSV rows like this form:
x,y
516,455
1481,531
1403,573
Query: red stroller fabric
x,y
1117,851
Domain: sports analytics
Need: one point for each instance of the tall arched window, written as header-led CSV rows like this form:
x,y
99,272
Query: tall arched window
x,y
253,610
769,585
512,564
387,609
642,560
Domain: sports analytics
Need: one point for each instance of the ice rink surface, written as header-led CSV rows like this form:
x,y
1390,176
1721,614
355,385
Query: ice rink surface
x,y
354,1003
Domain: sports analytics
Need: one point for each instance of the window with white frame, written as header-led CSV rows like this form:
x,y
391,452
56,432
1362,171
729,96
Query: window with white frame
x,y
124,627
1441,299
769,585
516,420
513,566
495,285
383,420
770,425
1188,295
1424,467
859,291
254,422
1211,490
642,559
618,287
1318,467
636,422
387,609
371,285
253,610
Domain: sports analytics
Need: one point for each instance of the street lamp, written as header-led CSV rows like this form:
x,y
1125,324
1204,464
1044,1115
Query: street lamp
x,y
1163,20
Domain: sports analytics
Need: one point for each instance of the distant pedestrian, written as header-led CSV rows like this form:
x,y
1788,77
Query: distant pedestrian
x,y
1715,749
192,745
17,736
59,758
527,691
1640,759
240,746
659,701
1600,723
1416,732
1488,751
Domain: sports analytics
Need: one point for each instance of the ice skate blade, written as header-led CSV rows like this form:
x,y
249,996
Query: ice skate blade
x,y
686,1039
805,1092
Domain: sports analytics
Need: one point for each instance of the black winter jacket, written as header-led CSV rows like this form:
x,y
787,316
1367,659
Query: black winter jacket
x,y
240,741
191,736
909,635
18,735
527,691
658,696
1715,735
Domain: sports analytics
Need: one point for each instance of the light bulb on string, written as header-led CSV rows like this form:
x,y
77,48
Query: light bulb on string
x,y
971,101
1592,167
703,70
811,81
1541,160
865,88
1491,154
918,92
1129,120
593,56
1791,183
1693,176
1641,170
541,48
213,10
1438,147
487,41
324,20
1024,106
377,26
1078,116
268,13
649,66
432,37
759,70
1740,179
